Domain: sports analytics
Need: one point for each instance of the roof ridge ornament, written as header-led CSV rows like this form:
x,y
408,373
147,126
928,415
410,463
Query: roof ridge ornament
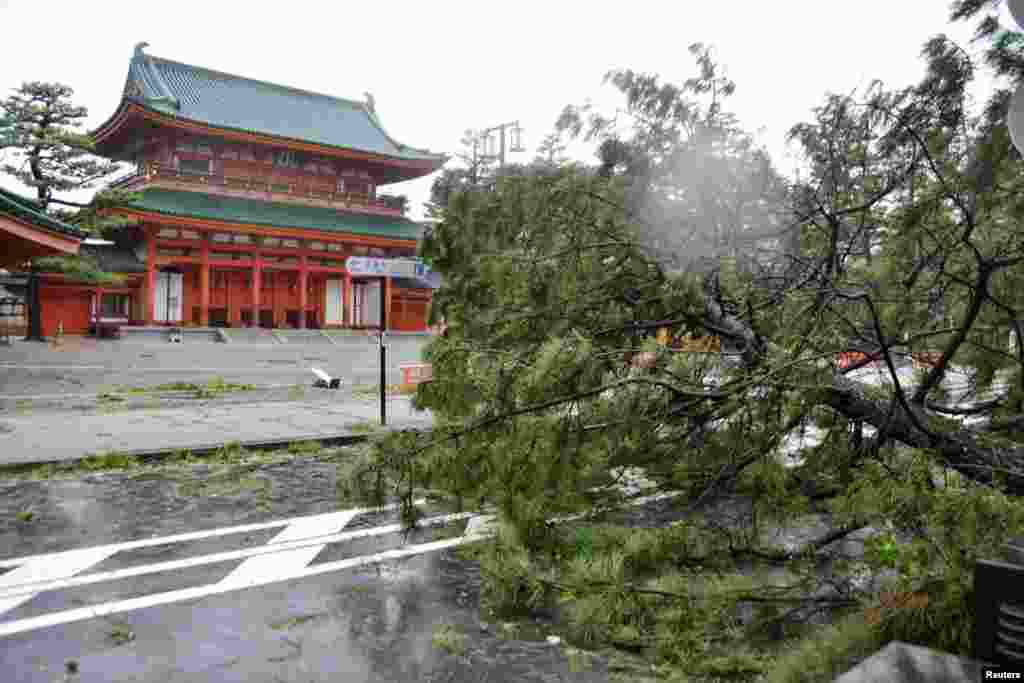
x,y
370,103
139,47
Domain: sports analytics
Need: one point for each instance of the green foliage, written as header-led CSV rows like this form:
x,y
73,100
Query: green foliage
x,y
305,447
56,156
448,638
547,386
53,156
78,268
827,654
107,461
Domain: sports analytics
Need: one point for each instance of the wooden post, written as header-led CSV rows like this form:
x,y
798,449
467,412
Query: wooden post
x,y
257,278
150,313
204,283
302,291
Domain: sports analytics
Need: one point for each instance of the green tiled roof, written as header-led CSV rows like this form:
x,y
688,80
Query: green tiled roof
x,y
28,210
227,101
253,212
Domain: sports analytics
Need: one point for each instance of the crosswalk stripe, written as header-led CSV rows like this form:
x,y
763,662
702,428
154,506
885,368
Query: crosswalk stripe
x,y
40,571
82,613
189,536
214,558
282,562
285,558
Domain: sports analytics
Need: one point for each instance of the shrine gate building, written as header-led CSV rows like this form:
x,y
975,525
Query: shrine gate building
x,y
252,197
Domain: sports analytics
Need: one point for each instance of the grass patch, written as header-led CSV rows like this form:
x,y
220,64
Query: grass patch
x,y
305,447
31,471
227,484
107,461
363,427
449,639
471,552
296,621
25,516
229,454
120,635
94,463
214,387
578,660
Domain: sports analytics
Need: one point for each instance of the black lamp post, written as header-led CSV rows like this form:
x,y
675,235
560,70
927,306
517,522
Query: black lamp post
x,y
383,353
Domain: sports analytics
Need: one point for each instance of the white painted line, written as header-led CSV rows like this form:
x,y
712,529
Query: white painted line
x,y
286,570
214,558
82,613
47,569
190,536
285,561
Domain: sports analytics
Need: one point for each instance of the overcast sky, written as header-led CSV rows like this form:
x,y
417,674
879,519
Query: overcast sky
x,y
438,68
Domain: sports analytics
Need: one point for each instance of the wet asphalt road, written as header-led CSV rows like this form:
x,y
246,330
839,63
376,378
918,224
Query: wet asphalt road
x,y
373,619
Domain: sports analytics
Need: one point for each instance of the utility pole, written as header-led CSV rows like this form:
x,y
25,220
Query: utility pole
x,y
517,141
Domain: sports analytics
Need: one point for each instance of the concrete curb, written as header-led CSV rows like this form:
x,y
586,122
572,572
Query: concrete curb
x,y
341,439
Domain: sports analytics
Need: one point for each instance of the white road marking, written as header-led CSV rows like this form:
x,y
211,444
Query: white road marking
x,y
286,561
82,613
47,569
178,538
214,558
285,558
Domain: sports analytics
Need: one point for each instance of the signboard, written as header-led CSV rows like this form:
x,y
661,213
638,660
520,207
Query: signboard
x,y
365,265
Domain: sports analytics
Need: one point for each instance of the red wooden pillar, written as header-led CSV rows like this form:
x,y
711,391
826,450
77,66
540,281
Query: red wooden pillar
x,y
303,286
204,284
99,307
257,280
347,305
150,277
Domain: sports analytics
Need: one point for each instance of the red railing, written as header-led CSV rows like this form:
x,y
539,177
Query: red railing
x,y
292,188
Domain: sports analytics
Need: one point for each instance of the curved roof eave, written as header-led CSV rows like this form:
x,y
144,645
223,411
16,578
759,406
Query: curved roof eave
x,y
109,127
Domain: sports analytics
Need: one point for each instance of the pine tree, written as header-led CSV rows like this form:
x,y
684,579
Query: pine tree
x,y
900,236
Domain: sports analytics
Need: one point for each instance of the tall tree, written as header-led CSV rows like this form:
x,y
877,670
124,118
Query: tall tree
x,y
902,236
50,154
54,155
551,151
